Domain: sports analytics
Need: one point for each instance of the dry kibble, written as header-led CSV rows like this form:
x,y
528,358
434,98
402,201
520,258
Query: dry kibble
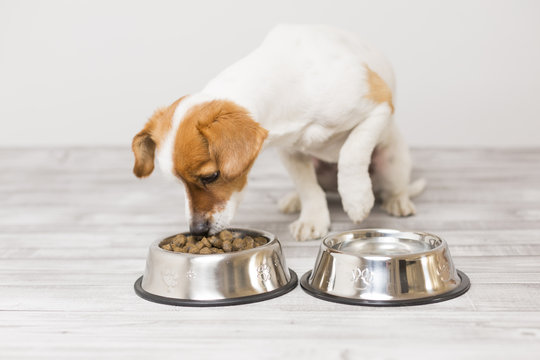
x,y
167,247
215,241
205,250
239,244
227,246
224,242
226,235
179,240
205,242
259,240
250,243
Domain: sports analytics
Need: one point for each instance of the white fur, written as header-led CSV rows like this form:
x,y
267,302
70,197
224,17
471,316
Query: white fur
x,y
221,219
189,216
307,86
165,150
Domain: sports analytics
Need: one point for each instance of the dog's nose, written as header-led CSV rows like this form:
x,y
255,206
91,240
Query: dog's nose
x,y
200,227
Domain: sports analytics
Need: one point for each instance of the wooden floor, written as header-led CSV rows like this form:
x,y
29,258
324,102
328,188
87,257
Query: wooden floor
x,y
75,226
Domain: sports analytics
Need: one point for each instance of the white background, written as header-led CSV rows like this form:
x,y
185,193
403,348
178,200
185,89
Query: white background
x,y
91,72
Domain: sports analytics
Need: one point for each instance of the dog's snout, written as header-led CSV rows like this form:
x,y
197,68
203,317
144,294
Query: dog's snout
x,y
199,227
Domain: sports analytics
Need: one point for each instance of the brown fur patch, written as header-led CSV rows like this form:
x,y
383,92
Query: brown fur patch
x,y
145,142
379,91
215,136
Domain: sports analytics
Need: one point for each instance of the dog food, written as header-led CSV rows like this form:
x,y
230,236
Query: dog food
x,y
223,242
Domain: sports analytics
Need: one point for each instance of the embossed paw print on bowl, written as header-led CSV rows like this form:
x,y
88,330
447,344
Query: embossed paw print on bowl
x,y
218,279
383,267
170,278
263,272
362,277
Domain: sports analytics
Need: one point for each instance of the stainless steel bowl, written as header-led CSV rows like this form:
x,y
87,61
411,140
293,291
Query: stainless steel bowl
x,y
216,279
383,267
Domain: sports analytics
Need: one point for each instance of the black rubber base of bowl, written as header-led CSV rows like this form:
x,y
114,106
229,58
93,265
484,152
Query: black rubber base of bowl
x,y
221,302
460,290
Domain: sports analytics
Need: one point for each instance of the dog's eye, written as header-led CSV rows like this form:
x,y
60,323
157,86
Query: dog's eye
x,y
209,178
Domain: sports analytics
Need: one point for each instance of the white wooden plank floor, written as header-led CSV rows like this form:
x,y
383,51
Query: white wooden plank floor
x,y
75,226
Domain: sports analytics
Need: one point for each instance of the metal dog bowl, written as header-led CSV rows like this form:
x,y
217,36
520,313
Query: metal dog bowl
x,y
382,267
216,279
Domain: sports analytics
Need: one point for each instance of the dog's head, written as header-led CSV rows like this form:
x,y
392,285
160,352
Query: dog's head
x,y
211,152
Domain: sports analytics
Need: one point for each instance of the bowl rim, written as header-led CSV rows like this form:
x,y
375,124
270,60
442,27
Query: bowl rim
x,y
272,240
442,244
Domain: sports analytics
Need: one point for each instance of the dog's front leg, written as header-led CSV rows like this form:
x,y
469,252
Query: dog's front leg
x,y
354,183
314,219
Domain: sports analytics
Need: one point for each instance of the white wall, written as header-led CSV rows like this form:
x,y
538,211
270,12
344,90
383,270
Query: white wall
x,y
90,72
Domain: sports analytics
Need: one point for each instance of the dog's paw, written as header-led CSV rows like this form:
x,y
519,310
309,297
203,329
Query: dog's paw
x,y
309,229
359,210
399,205
290,203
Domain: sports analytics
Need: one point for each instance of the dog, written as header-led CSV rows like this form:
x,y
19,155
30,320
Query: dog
x,y
314,92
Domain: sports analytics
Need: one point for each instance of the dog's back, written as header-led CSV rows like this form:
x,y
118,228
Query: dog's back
x,y
304,75
324,45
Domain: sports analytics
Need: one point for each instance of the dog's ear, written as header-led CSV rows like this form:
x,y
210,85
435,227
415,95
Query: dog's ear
x,y
145,142
144,148
234,141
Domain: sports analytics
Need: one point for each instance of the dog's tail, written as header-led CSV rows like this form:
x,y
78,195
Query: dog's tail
x,y
416,187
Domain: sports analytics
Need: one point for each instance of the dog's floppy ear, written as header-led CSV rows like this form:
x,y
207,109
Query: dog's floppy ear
x,y
234,141
145,142
143,147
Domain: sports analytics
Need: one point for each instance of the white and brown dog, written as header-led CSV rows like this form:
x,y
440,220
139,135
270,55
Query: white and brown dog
x,y
313,92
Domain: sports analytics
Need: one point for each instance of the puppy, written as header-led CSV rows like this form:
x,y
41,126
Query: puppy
x,y
313,92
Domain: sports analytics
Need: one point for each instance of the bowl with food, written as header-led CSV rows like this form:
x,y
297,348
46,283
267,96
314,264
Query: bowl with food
x,y
235,266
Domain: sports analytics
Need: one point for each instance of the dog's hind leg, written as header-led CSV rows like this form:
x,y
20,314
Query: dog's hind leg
x,y
354,183
391,171
314,219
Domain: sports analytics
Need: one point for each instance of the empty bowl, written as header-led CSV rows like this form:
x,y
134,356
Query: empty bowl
x,y
231,278
384,267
